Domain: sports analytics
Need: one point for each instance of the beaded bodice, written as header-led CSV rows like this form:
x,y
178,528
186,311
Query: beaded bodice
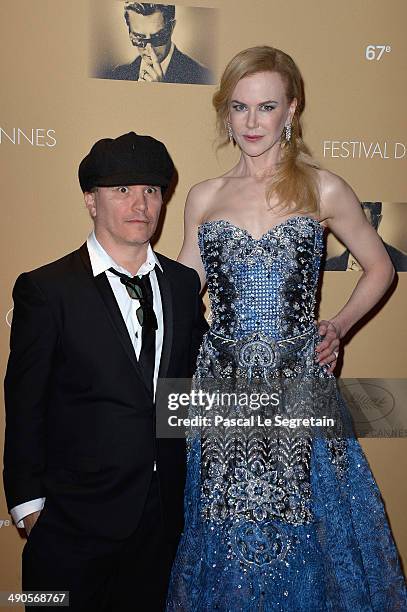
x,y
263,285
263,294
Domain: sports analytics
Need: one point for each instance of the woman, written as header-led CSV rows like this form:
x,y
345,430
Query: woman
x,y
278,519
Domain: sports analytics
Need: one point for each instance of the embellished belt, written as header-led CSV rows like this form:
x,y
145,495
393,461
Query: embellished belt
x,y
262,351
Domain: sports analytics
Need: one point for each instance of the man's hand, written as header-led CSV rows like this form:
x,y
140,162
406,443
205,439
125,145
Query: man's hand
x,y
30,520
153,71
328,349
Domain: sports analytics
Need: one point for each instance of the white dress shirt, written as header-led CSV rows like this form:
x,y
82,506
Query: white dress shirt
x,y
100,262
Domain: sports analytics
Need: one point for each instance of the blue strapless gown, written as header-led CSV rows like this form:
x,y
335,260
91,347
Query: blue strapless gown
x,y
291,523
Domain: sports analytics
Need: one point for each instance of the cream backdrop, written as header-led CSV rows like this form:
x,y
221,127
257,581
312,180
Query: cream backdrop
x,y
350,98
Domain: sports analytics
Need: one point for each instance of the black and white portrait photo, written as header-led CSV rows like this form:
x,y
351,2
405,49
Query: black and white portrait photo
x,y
389,221
148,42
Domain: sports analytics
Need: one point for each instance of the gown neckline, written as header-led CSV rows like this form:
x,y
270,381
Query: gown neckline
x,y
269,231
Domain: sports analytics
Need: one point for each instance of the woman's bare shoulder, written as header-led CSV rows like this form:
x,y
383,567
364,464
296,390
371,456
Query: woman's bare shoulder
x,y
207,187
331,184
201,196
337,197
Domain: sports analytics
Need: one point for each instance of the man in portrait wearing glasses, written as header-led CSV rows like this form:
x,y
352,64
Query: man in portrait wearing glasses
x,y
100,497
345,261
150,29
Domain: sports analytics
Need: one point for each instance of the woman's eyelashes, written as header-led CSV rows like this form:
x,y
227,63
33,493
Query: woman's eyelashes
x,y
239,107
268,107
264,106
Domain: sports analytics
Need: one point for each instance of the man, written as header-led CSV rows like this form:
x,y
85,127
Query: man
x,y
346,261
150,30
99,496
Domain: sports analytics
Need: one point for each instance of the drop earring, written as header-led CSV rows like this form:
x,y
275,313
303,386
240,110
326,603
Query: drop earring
x,y
288,132
230,133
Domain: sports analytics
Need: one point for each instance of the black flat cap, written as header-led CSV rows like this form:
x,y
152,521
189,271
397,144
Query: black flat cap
x,y
129,159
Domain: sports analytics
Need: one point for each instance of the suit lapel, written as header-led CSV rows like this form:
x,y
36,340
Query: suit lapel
x,y
112,310
167,306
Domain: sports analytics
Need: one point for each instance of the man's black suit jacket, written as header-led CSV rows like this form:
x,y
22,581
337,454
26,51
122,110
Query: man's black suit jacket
x,y
181,69
79,416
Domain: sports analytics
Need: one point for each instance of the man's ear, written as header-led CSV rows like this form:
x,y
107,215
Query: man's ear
x,y
90,202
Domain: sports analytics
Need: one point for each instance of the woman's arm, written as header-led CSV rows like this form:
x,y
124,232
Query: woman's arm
x,y
345,218
190,254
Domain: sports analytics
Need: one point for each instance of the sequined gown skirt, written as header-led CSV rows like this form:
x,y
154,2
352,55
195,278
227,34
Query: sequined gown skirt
x,y
277,520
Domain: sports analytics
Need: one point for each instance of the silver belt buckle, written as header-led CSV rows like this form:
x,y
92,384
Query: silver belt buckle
x,y
259,352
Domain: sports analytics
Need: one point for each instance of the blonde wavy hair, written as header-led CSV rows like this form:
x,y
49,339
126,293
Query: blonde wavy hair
x,y
295,181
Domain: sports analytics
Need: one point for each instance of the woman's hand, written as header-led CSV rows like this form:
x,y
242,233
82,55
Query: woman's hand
x,y
328,349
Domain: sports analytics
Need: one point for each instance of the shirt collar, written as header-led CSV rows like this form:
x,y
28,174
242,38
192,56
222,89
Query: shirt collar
x,y
101,261
165,63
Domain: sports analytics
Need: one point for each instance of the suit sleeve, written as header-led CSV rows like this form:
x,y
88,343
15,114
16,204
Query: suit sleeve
x,y
200,326
33,342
